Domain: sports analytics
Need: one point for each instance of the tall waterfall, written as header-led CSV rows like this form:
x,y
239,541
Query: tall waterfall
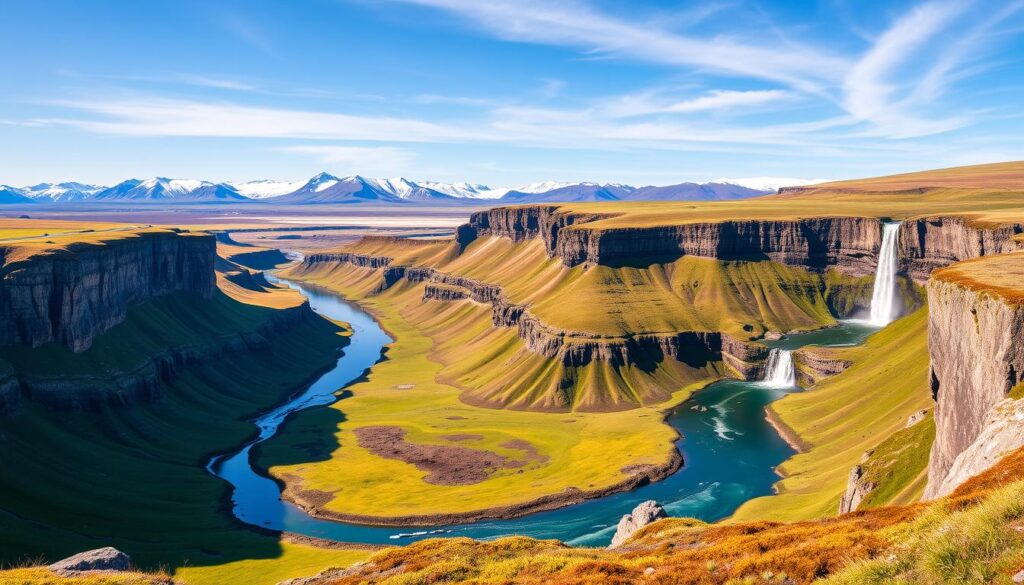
x,y
883,298
779,372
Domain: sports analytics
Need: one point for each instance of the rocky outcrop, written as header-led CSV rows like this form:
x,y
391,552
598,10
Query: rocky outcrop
x,y
814,364
143,382
641,516
354,259
927,244
101,559
976,347
1001,433
71,295
857,488
441,292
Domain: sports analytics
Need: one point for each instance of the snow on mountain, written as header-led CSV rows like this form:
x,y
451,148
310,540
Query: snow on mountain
x,y
326,188
464,190
13,195
61,192
264,188
769,183
170,190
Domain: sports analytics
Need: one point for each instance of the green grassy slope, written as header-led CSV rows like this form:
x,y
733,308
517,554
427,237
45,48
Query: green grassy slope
x,y
133,477
844,416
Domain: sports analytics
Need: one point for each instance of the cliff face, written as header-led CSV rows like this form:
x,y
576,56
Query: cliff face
x,y
70,296
976,347
927,244
849,244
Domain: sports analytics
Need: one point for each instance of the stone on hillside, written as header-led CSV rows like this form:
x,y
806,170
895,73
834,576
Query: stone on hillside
x,y
641,516
101,559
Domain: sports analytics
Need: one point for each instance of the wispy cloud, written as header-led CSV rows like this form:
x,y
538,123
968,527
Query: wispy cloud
x,y
217,82
577,24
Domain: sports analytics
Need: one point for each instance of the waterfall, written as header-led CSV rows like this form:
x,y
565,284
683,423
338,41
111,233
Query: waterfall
x,y
883,298
779,372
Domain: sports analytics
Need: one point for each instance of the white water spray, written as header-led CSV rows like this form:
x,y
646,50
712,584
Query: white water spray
x,y
779,372
883,298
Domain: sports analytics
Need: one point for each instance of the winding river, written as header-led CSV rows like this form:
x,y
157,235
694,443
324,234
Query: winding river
x,y
730,451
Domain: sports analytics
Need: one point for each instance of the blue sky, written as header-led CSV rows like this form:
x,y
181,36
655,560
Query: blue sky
x,y
506,92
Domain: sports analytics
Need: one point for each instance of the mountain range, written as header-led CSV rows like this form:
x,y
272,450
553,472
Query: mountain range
x,y
327,188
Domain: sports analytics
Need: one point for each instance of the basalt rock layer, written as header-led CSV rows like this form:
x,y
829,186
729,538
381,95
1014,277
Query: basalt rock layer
x,y
71,295
849,244
976,347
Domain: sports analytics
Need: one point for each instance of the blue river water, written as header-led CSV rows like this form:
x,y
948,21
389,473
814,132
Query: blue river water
x,y
729,449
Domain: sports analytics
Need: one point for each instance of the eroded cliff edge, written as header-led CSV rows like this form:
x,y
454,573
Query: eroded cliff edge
x,y
71,294
976,346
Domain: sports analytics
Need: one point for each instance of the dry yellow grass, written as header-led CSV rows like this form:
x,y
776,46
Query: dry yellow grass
x,y
1001,275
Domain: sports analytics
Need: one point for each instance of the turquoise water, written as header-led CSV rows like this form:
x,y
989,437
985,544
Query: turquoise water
x,y
729,450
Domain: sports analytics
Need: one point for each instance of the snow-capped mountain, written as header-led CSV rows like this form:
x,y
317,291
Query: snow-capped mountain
x,y
464,190
161,189
264,188
13,195
61,192
328,188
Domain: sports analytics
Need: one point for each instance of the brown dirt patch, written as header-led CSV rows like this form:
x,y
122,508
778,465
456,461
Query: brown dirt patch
x,y
444,464
531,453
462,437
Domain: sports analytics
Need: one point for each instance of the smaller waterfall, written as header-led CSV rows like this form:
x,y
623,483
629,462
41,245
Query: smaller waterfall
x,y
883,297
779,372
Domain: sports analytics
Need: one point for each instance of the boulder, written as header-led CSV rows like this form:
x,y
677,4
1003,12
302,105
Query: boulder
x,y
641,516
101,559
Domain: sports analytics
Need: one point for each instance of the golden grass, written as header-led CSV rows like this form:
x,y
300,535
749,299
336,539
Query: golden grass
x,y
1007,175
844,416
1001,275
43,576
296,560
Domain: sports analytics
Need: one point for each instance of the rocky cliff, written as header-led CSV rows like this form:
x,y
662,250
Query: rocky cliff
x,y
848,244
70,295
934,242
976,347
